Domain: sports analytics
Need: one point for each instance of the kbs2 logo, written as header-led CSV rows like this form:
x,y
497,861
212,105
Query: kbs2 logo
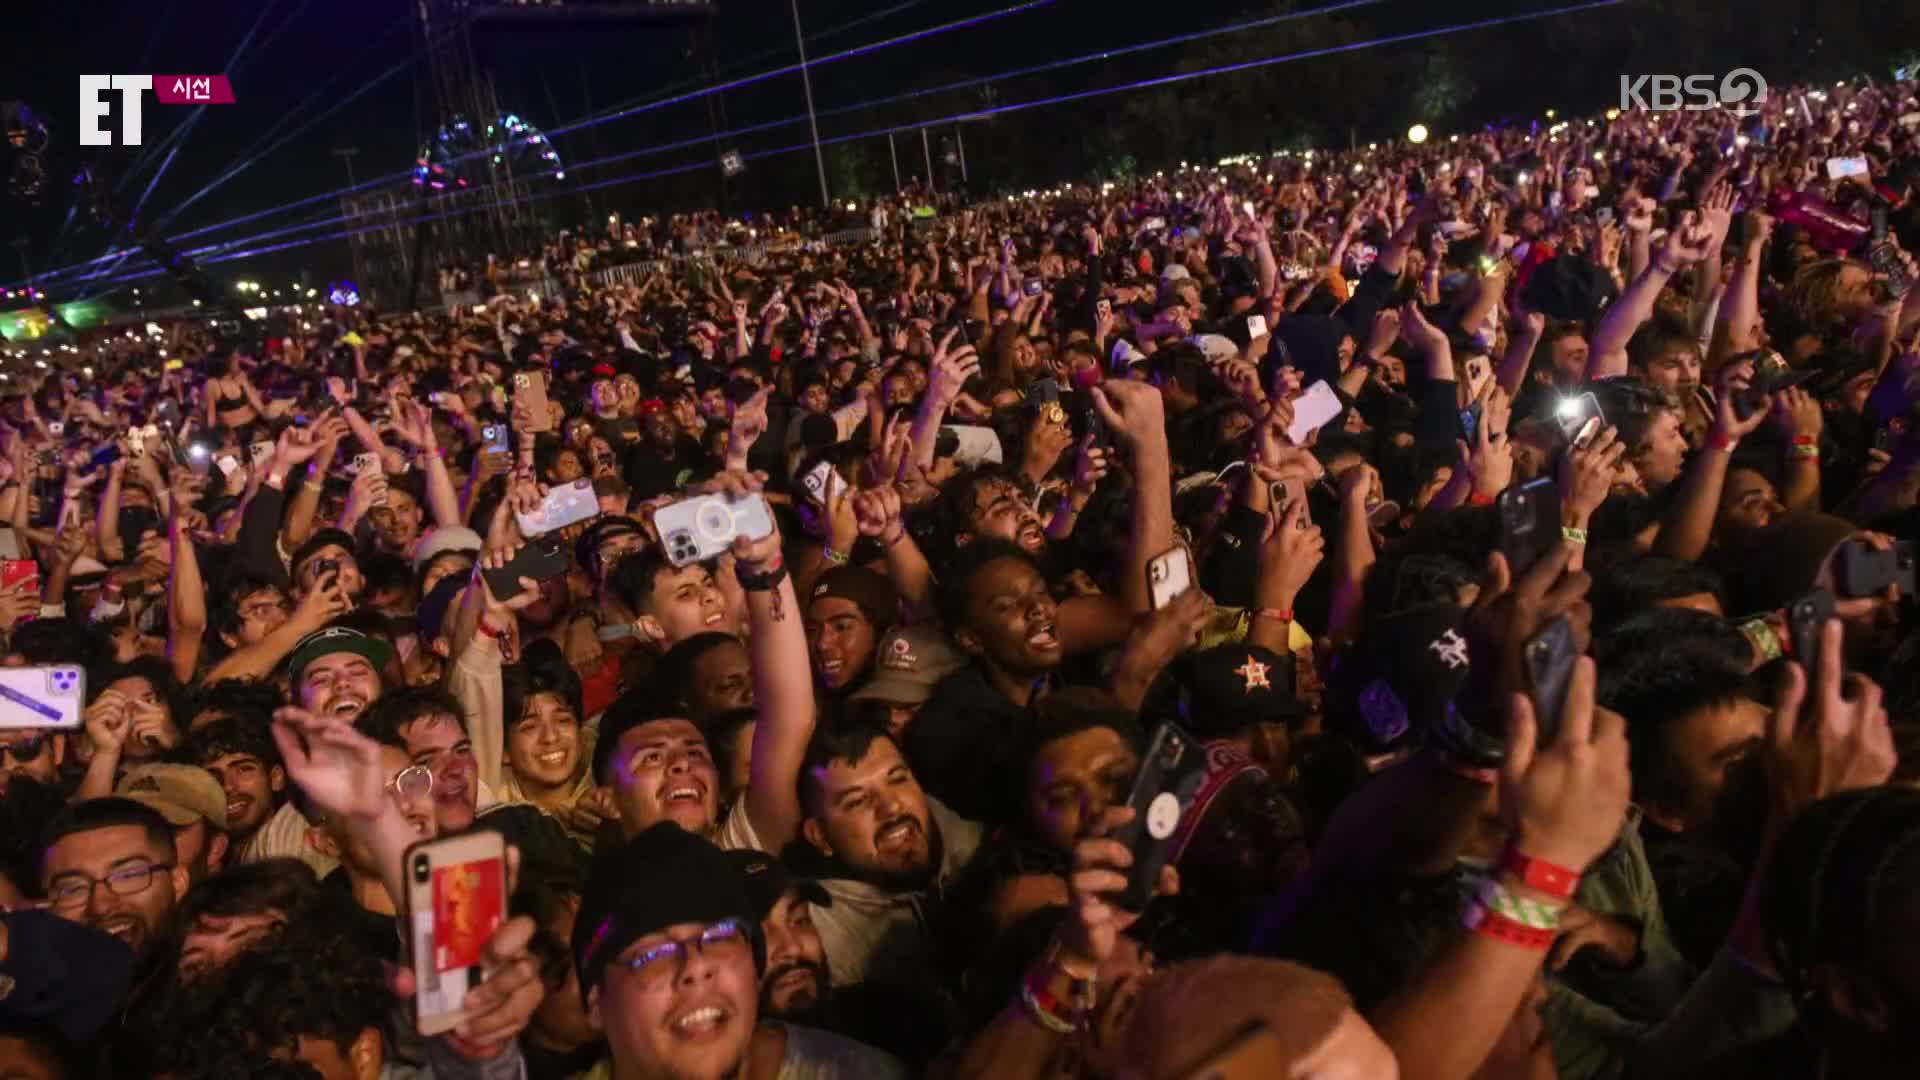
x,y
170,89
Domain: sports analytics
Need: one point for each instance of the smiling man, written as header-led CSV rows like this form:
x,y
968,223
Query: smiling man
x,y
109,864
672,975
357,877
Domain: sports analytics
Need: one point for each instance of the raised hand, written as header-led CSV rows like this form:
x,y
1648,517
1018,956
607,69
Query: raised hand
x,y
1729,426
1133,411
1837,741
1290,556
877,511
336,767
1565,801
505,610
1587,472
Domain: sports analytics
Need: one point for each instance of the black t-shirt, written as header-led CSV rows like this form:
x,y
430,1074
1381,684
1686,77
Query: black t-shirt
x,y
959,742
379,933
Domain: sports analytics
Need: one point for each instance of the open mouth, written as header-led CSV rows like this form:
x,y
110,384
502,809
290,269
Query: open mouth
x,y
124,927
702,1022
716,618
689,794
898,832
238,807
831,667
1031,535
1043,637
347,706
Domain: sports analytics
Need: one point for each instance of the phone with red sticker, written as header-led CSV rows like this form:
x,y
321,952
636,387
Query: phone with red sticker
x,y
456,899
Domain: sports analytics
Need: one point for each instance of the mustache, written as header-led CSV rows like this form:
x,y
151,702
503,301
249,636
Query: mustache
x,y
903,819
817,968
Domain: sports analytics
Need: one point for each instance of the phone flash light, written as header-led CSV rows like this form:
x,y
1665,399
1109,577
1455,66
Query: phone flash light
x,y
197,452
1741,140
1523,178
1568,407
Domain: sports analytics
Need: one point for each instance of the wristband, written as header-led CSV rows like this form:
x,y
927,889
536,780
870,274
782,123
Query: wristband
x,y
1526,911
1045,1009
1806,453
1806,440
1717,441
1480,919
1279,615
833,558
899,535
1550,878
277,479
765,581
1573,536
487,630
1479,499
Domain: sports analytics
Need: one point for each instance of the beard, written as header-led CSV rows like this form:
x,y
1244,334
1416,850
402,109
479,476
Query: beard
x,y
811,1012
905,879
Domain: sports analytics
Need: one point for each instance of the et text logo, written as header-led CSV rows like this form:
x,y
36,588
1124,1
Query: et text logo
x,y
170,89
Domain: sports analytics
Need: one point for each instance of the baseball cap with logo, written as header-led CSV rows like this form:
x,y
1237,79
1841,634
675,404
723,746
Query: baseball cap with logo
x,y
1231,687
909,661
1397,684
182,794
335,639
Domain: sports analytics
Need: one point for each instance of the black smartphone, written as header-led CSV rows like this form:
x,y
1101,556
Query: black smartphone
x,y
1804,620
1549,657
1883,440
1529,522
1170,776
1866,570
540,560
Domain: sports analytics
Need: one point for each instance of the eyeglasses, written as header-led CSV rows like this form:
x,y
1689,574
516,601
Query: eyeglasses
x,y
410,783
667,956
24,750
70,891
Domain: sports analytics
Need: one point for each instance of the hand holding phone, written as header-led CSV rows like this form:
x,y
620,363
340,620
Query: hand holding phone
x,y
456,899
1171,772
1169,575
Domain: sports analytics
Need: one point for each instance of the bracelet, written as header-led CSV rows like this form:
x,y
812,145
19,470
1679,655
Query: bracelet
x,y
1524,910
765,581
1550,878
1486,922
1479,499
1806,440
1279,615
899,535
1806,453
1045,1009
1573,536
1717,441
834,558
486,630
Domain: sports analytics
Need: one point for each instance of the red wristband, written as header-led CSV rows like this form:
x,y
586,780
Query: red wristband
x,y
1549,878
1717,441
1806,440
487,630
1283,615
1489,923
1479,499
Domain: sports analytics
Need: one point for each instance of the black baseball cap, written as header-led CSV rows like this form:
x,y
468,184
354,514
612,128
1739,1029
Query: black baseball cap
x,y
767,879
660,878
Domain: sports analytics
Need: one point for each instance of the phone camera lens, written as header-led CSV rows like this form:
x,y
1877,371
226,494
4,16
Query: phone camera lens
x,y
422,869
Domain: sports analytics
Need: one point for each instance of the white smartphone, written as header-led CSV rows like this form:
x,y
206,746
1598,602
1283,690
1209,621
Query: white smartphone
x,y
1168,575
456,899
1839,168
42,697
568,504
1256,326
1312,410
817,481
366,462
261,451
976,444
700,528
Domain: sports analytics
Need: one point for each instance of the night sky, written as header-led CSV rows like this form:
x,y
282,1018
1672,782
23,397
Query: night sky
x,y
326,49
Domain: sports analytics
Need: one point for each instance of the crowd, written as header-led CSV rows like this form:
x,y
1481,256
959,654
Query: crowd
x,y
1437,610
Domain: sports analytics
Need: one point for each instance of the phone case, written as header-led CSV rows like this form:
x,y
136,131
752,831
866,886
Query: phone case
x,y
1866,570
54,696
1169,575
1312,411
694,530
1804,620
1529,522
1170,776
568,504
816,480
456,899
15,571
539,560
365,462
1581,419
1550,657
532,389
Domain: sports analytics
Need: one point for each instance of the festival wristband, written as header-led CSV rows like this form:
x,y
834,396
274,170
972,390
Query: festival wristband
x,y
1526,911
833,558
1573,536
1279,615
1550,878
1480,919
765,581
1479,499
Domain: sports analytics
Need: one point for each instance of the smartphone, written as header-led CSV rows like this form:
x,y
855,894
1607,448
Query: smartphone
x,y
1580,419
821,482
1529,522
568,504
1256,326
1470,422
1839,168
365,463
973,444
1604,215
540,560
1170,776
530,389
1312,411
1478,372
456,899
1031,286
1804,620
700,528
1103,306
1549,658
496,437
16,570
1169,575
54,696
1867,571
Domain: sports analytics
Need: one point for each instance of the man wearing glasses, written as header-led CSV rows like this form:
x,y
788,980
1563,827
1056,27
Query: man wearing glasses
x,y
109,864
672,975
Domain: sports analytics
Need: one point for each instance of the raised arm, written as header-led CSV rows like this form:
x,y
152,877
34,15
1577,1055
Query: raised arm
x,y
1134,412
782,689
416,429
106,523
186,598
1687,527
1684,246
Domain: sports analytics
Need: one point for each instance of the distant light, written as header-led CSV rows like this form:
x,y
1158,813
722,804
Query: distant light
x,y
1417,134
1613,114
1550,114
1741,141
1453,138
1600,156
